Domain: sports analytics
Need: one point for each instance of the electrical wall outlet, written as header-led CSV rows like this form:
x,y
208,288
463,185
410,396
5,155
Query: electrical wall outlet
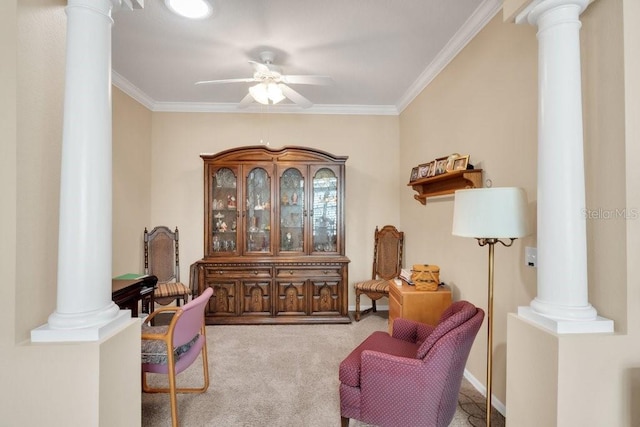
x,y
531,257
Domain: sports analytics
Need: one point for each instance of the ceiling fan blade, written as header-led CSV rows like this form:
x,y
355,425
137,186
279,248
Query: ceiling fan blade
x,y
248,99
260,68
307,80
295,96
215,82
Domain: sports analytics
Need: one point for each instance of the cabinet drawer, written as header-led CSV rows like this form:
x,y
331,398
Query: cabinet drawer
x,y
307,272
237,273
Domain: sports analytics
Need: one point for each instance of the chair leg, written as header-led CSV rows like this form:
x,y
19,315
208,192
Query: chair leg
x,y
373,306
173,395
344,422
357,305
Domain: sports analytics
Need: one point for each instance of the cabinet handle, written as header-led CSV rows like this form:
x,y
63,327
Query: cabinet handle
x,y
220,272
325,271
304,212
255,272
291,272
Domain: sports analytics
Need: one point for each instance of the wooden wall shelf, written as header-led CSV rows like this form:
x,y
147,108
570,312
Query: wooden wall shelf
x,y
447,183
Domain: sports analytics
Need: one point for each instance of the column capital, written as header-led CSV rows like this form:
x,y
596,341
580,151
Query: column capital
x,y
537,8
106,6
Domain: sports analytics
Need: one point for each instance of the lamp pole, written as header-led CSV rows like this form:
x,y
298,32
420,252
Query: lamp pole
x,y
491,243
496,214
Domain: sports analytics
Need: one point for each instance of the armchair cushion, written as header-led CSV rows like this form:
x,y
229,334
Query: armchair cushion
x,y
379,341
155,351
456,314
410,330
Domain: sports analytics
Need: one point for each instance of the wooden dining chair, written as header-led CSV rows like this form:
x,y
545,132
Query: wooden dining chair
x,y
387,263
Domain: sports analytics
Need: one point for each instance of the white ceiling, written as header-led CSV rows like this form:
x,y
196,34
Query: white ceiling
x,y
380,53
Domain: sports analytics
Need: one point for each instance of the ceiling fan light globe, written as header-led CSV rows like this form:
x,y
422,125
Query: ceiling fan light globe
x,y
275,93
259,93
192,9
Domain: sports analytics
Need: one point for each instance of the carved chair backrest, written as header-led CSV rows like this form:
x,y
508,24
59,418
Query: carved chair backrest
x,y
387,253
161,254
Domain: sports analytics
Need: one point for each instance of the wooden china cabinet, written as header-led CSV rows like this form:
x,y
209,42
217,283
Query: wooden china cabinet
x,y
274,237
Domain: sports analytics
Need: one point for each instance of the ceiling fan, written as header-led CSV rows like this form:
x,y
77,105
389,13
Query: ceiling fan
x,y
271,85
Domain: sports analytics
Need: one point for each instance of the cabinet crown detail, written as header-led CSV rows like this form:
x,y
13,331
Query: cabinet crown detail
x,y
274,236
446,183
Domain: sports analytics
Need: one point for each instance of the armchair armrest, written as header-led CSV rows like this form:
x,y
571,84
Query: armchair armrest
x,y
410,330
385,378
158,311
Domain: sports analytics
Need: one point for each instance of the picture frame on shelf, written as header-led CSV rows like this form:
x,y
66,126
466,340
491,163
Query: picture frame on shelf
x,y
423,169
450,161
461,163
414,174
440,165
432,169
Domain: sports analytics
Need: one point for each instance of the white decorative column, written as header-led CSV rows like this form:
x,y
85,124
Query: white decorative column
x,y
85,311
562,303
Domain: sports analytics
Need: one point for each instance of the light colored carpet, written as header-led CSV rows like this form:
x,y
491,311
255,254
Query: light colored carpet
x,y
276,376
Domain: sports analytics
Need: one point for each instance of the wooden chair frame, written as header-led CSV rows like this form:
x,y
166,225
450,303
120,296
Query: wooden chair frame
x,y
168,338
168,282
378,287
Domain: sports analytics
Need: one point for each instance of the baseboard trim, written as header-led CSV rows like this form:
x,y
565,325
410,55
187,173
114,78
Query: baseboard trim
x,y
352,308
483,390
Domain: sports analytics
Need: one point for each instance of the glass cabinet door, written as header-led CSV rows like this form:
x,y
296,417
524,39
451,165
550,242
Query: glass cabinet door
x,y
258,211
292,212
224,201
325,211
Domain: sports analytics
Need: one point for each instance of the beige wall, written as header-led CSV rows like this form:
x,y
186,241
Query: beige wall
x,y
131,182
86,384
372,171
483,104
598,375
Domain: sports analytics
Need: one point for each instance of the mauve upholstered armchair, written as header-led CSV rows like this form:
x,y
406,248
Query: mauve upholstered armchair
x,y
413,377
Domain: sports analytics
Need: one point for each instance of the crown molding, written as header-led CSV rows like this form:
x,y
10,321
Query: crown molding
x,y
211,107
130,89
192,107
476,22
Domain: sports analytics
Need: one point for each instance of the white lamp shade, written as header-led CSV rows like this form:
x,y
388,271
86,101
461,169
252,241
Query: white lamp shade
x,y
492,213
259,93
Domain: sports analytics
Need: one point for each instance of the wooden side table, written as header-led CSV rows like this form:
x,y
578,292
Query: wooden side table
x,y
422,306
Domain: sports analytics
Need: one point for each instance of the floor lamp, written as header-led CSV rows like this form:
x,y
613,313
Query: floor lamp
x,y
489,215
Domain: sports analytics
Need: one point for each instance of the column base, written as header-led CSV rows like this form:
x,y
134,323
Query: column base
x,y
564,326
46,333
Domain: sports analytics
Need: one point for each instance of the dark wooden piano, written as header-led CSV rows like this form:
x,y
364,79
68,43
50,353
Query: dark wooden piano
x,y
126,293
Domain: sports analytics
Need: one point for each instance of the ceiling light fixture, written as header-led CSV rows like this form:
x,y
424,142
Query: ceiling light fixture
x,y
192,9
265,92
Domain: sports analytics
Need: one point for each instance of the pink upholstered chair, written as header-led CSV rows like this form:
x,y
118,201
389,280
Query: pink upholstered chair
x,y
172,348
413,377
